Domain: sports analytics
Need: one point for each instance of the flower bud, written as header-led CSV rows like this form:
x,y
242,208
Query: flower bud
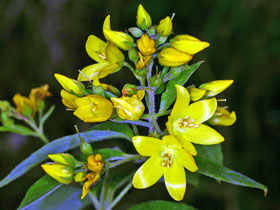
x,y
129,108
152,30
188,44
86,148
70,85
165,27
196,93
129,90
133,55
119,38
144,20
222,117
24,105
68,99
5,105
146,45
79,176
93,108
171,57
155,81
143,61
62,158
61,173
136,32
161,40
215,87
111,89
94,163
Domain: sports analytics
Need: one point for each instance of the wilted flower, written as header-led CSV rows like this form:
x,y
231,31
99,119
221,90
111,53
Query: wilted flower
x,y
222,117
146,45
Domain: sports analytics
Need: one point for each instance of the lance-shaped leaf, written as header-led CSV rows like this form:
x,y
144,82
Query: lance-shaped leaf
x,y
216,171
19,129
48,194
162,205
169,96
211,152
58,146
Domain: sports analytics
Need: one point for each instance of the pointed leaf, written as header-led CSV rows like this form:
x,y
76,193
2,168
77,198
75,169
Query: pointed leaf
x,y
19,129
161,205
211,152
39,190
211,169
169,96
58,146
65,197
114,126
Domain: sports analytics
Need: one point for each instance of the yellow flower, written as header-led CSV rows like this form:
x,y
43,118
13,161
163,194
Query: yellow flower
x,y
222,117
215,87
119,38
62,158
167,158
185,121
39,93
61,173
165,27
143,61
146,45
130,108
171,57
98,71
95,165
144,20
68,99
93,108
70,85
188,44
24,105
196,93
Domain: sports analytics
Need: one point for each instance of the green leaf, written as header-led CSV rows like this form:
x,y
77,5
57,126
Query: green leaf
x,y
19,129
211,152
58,146
47,115
64,198
169,96
114,126
109,153
161,205
135,122
39,190
211,169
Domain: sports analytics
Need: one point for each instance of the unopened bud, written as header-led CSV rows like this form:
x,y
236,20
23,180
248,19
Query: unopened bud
x,y
79,176
61,173
129,90
136,32
133,55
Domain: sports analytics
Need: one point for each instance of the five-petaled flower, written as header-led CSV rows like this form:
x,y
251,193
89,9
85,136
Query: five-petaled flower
x,y
185,121
168,159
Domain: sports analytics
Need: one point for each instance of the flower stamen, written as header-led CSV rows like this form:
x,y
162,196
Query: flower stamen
x,y
166,160
187,122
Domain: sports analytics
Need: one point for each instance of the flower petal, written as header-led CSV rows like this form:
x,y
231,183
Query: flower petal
x,y
95,48
182,102
149,173
188,146
202,110
175,180
186,159
200,135
146,146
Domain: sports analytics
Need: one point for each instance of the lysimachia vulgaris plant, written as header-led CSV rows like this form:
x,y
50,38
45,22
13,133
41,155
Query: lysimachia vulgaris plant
x,y
174,149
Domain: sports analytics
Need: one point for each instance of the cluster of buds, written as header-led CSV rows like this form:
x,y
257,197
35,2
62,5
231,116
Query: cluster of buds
x,y
66,169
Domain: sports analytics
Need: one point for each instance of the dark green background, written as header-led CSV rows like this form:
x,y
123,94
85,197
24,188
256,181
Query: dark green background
x,y
40,38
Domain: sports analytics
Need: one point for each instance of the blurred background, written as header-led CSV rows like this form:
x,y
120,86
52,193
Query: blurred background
x,y
40,38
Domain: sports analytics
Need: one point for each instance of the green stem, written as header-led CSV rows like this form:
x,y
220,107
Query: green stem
x,y
94,200
148,116
38,131
128,159
121,195
104,192
135,129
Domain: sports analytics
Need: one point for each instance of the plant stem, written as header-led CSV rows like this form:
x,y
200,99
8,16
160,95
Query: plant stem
x,y
128,159
135,129
38,131
104,205
121,195
148,116
94,200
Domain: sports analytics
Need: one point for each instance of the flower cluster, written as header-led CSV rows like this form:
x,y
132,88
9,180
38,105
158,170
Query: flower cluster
x,y
194,110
